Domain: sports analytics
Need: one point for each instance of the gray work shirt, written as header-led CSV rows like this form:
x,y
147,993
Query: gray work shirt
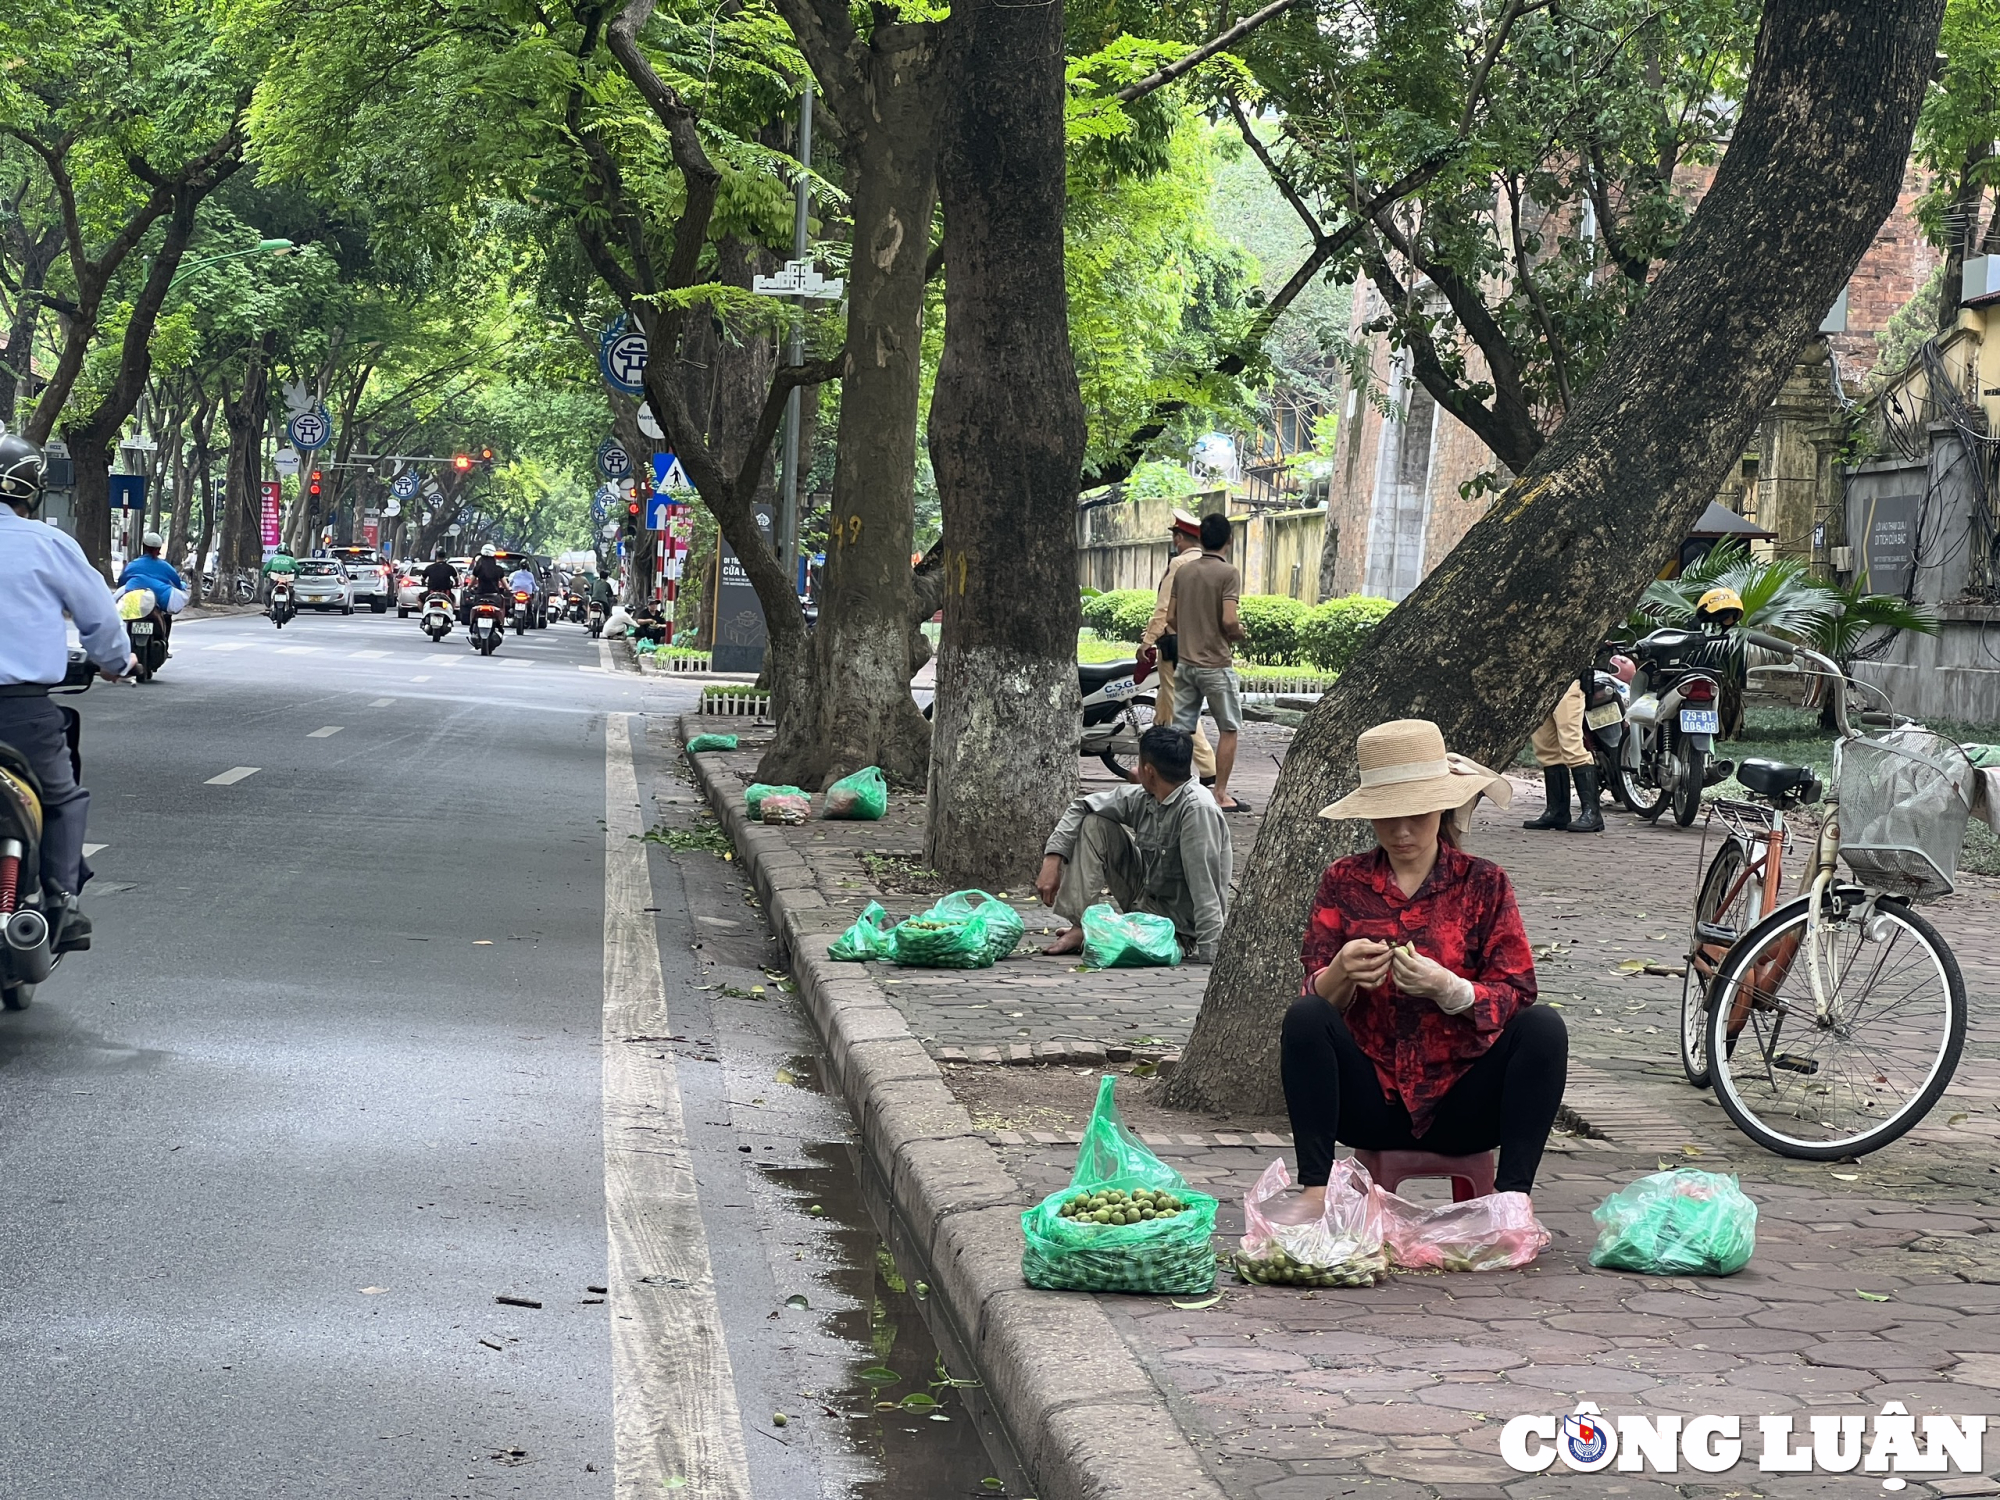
x,y
1184,852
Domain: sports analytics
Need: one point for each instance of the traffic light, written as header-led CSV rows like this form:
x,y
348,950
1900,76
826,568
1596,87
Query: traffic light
x,y
486,455
312,485
462,462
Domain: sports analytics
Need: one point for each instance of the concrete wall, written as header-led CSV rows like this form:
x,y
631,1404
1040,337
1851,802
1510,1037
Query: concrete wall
x,y
1954,674
1124,545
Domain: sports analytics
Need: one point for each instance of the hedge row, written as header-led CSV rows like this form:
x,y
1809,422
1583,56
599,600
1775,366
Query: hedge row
x,y
1278,630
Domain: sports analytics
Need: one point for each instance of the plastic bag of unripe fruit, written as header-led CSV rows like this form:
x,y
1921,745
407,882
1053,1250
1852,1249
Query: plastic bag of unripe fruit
x,y
1127,1222
1284,1244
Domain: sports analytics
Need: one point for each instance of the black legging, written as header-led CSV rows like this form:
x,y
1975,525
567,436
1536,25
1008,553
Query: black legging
x,y
1507,1098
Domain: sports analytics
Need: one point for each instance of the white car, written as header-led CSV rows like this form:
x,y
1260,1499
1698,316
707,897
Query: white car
x,y
369,571
322,583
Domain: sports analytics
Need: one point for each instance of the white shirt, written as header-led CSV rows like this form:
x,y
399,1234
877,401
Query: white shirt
x,y
43,575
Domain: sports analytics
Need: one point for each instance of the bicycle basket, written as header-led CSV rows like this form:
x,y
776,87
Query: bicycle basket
x,y
1904,801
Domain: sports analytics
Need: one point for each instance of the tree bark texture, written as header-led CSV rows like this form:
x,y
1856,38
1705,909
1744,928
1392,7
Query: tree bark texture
x,y
1007,442
888,94
1486,642
246,417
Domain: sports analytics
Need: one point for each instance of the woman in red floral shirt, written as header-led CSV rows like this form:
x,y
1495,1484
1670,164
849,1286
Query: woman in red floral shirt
x,y
1418,1028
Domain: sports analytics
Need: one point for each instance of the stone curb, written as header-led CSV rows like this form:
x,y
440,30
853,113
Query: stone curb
x,y
1085,1418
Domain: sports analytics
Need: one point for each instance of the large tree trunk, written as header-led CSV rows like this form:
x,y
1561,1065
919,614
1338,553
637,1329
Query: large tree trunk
x,y
242,508
888,94
1007,441
1485,643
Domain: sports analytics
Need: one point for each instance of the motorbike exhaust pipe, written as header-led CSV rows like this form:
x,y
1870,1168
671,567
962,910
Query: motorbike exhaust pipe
x,y
27,935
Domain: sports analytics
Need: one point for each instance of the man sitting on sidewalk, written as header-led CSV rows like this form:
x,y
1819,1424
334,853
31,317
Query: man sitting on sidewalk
x,y
1161,846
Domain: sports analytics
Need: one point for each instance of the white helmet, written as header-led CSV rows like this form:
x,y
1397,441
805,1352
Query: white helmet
x,y
152,539
489,551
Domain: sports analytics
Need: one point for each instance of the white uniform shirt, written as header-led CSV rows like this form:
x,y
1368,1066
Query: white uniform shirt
x,y
43,576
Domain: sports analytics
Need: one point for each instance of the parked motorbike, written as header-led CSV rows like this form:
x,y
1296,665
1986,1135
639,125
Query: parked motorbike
x,y
1113,693
1668,755
282,606
436,618
485,625
595,619
523,611
31,918
1604,706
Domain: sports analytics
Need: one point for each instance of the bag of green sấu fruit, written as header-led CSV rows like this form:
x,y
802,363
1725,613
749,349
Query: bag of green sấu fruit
x,y
1071,1248
703,742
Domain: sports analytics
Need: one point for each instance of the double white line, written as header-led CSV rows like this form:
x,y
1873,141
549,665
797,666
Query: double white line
x,y
675,1421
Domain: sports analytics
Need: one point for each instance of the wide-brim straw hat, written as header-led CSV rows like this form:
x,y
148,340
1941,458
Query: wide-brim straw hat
x,y
1406,771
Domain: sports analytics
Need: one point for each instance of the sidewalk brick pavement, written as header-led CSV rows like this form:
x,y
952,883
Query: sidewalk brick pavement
x,y
1400,1390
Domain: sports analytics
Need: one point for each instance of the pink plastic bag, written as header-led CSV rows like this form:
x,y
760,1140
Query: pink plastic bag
x,y
783,808
1495,1233
1341,1246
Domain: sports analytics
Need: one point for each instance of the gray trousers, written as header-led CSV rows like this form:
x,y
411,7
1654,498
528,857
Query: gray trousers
x,y
34,727
1105,858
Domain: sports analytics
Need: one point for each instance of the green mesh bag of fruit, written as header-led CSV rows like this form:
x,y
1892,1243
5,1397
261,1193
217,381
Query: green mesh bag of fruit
x,y
1127,1222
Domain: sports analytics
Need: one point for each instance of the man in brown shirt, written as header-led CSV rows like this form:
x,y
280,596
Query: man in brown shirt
x,y
1205,592
1186,540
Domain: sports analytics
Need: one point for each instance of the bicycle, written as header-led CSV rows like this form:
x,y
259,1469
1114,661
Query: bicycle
x,y
1831,1026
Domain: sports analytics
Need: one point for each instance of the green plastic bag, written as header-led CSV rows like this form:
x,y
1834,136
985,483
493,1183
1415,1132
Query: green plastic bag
x,y
703,742
928,941
864,795
869,937
1681,1223
1127,940
1004,927
755,793
1159,1255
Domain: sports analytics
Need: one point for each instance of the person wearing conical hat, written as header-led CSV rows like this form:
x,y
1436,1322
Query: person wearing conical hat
x,y
1417,1029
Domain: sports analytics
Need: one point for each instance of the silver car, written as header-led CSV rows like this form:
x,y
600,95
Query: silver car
x,y
322,583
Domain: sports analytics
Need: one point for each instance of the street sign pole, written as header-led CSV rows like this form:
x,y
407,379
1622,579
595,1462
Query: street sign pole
x,y
788,502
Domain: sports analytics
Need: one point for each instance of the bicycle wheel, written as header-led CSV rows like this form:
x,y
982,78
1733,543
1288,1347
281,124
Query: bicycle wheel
x,y
1823,1086
1723,912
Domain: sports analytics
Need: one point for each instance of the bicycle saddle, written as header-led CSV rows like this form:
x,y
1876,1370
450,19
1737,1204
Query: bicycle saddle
x,y
1778,781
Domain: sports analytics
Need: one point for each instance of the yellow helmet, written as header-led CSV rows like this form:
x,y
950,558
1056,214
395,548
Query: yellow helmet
x,y
1718,602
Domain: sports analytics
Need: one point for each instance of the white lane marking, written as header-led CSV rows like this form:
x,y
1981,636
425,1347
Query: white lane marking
x,y
90,849
514,661
297,650
232,776
228,646
673,1392
366,655
326,731
382,702
604,653
420,679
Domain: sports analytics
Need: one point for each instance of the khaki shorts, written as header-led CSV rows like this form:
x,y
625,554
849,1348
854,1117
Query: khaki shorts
x,y
1215,686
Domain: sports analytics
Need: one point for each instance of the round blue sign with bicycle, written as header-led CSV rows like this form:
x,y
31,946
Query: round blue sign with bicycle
x,y
613,462
310,429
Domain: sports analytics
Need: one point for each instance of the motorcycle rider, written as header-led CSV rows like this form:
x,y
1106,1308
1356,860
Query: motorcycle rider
x,y
280,564
487,580
151,571
601,592
440,577
43,575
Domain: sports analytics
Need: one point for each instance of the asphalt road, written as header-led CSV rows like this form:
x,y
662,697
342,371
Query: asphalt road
x,y
334,1078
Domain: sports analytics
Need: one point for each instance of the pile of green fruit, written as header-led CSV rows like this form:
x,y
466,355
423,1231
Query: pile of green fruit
x,y
1116,1206
1276,1268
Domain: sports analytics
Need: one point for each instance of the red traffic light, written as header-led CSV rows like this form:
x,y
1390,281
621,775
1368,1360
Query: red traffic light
x,y
461,462
313,488
486,455
633,508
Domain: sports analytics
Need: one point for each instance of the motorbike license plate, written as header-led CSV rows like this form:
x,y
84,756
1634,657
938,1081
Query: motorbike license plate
x,y
1604,713
142,628
1701,721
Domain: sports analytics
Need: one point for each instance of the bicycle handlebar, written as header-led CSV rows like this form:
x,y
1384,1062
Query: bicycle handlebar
x,y
1770,642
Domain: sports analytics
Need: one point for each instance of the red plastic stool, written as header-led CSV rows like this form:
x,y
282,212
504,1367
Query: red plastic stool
x,y
1471,1176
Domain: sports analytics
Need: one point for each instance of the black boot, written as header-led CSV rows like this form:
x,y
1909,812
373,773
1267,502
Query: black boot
x,y
1555,780
1590,819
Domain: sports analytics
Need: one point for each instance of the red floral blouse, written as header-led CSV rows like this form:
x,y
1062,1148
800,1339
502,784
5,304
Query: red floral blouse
x,y
1464,917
